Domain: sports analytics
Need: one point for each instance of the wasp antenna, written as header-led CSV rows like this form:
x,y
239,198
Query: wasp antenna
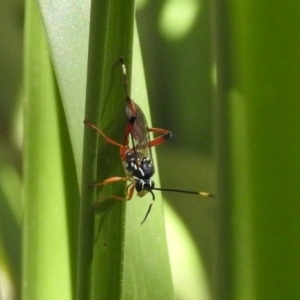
x,y
148,211
123,65
124,72
150,206
203,194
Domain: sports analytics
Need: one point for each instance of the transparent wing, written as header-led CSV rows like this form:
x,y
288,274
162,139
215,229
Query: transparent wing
x,y
140,133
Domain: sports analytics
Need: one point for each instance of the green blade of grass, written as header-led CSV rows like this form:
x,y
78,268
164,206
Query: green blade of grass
x,y
67,27
10,222
146,264
101,253
50,189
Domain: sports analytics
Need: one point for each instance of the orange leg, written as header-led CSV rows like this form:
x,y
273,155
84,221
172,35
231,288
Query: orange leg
x,y
123,148
109,140
129,189
110,180
128,198
166,134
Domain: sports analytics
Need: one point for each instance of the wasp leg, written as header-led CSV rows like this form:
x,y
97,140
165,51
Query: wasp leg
x,y
166,134
123,148
110,180
129,193
109,140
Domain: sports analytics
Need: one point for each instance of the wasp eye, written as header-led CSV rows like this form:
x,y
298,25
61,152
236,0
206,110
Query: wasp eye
x,y
139,185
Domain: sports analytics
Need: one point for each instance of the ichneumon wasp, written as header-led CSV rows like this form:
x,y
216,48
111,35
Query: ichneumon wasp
x,y
137,159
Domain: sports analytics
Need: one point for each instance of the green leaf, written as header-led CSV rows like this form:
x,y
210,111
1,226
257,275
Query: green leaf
x,y
67,27
50,185
10,221
101,254
147,269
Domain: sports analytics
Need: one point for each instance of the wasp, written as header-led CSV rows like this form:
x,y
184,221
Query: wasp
x,y
137,159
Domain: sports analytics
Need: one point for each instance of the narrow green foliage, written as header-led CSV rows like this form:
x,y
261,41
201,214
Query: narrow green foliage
x,y
146,265
67,27
110,37
50,189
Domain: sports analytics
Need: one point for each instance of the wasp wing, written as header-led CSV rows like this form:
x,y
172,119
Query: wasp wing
x,y
139,133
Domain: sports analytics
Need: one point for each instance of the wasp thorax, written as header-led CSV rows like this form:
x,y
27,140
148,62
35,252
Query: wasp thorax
x,y
144,169
131,161
138,165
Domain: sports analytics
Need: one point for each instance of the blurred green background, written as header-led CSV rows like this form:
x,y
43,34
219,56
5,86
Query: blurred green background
x,y
11,68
